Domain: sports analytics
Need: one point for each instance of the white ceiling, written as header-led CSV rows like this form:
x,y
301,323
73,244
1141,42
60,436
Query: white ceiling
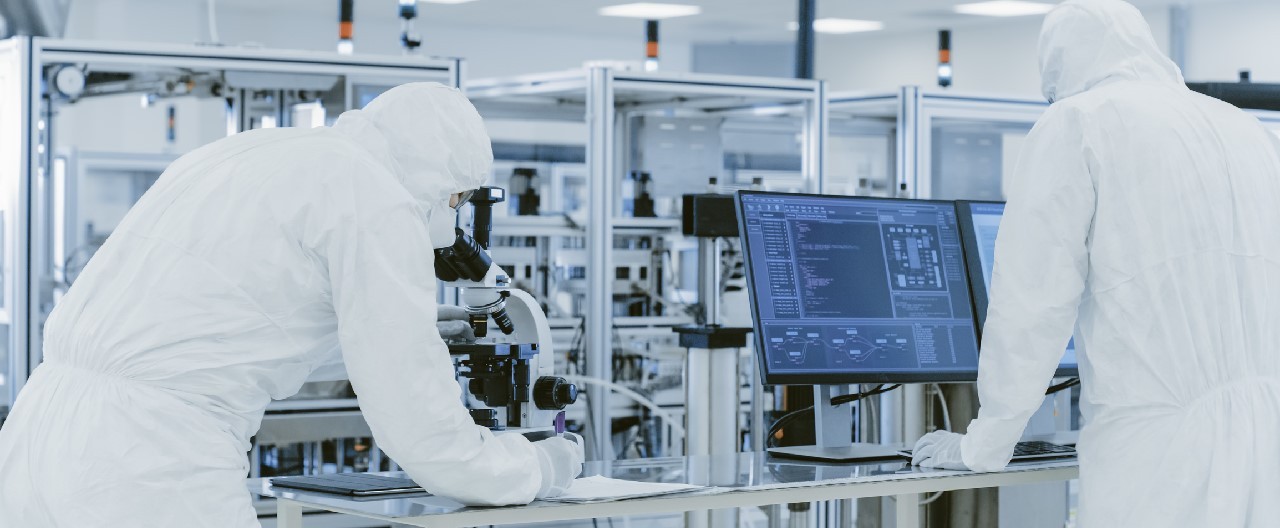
x,y
749,20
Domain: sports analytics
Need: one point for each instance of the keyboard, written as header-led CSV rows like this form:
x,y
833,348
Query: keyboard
x,y
1039,449
1031,450
351,484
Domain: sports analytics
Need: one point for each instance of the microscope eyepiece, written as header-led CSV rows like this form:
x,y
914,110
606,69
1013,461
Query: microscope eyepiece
x,y
465,259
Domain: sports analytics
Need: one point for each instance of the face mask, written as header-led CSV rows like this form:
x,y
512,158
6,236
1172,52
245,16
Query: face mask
x,y
440,225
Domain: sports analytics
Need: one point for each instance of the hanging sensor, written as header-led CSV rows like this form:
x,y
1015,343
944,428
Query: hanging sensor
x,y
651,45
944,58
346,14
409,38
171,125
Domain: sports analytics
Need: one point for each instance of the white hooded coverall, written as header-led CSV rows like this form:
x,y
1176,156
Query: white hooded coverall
x,y
251,263
1152,213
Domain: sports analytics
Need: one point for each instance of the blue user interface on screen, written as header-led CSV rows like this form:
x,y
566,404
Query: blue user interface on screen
x,y
851,289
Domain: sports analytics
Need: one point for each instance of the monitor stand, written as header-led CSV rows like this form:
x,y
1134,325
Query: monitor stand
x,y
834,426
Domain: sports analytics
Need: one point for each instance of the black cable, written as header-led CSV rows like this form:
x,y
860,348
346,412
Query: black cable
x,y
783,422
850,398
838,400
1062,386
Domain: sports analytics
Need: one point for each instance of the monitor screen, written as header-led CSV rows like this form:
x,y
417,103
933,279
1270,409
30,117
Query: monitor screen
x,y
857,290
979,224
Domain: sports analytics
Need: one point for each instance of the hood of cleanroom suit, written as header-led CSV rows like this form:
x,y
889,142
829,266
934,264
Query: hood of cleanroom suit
x,y
1086,44
434,147
1143,215
253,264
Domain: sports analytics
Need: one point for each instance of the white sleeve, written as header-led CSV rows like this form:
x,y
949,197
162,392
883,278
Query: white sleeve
x,y
380,264
1041,265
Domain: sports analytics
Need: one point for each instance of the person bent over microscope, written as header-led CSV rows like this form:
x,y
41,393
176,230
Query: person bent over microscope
x,y
256,263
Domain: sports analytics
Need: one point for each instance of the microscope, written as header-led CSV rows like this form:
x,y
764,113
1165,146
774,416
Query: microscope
x,y
512,372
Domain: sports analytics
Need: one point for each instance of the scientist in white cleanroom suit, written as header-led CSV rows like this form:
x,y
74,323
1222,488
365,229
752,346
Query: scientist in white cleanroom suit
x,y
252,263
1149,217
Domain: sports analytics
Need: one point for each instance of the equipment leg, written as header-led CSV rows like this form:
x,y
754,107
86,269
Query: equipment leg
x,y
908,510
288,514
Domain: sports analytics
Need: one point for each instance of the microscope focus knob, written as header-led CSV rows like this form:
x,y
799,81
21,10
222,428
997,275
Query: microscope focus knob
x,y
552,394
485,417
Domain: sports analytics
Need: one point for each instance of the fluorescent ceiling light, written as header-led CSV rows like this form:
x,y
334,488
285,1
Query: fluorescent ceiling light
x,y
1004,8
769,110
650,11
840,25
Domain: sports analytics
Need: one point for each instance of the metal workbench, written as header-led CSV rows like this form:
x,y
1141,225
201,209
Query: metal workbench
x,y
747,479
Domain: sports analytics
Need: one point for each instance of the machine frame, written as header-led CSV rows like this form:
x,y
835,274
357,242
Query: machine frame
x,y
602,97
27,152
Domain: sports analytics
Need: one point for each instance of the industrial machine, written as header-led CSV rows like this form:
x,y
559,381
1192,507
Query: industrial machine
x,y
511,372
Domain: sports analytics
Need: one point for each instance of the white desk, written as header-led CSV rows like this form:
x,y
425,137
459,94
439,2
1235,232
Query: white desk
x,y
754,479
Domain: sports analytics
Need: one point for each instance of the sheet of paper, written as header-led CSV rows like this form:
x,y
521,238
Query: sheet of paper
x,y
604,489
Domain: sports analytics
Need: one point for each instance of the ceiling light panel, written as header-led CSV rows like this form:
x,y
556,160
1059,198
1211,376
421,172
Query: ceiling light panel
x,y
840,26
650,11
1004,8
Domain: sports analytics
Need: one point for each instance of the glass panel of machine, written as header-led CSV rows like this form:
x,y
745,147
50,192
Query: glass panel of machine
x,y
986,225
859,289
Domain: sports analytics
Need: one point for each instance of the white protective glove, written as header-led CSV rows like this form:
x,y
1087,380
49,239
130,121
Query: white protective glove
x,y
454,323
939,449
561,461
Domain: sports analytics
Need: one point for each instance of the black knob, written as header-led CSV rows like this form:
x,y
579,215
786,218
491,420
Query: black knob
x,y
485,417
477,387
552,393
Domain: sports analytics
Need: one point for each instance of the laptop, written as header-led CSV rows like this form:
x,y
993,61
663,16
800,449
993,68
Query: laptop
x,y
351,484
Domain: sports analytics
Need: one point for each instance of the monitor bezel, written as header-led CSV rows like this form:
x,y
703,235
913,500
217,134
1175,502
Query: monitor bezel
x,y
769,378
973,261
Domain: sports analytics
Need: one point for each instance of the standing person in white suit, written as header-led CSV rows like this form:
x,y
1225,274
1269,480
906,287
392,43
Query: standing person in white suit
x,y
253,263
1146,216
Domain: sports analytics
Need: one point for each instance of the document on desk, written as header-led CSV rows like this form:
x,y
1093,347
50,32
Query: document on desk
x,y
605,489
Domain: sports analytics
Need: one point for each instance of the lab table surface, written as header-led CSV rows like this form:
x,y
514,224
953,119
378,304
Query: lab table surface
x,y
747,479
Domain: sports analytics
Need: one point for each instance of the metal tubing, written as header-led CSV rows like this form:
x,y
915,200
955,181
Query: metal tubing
x,y
600,149
913,412
805,38
340,454
908,139
698,402
709,279
890,414
725,401
846,510
40,295
774,513
813,162
288,514
757,411
908,510
799,518
21,352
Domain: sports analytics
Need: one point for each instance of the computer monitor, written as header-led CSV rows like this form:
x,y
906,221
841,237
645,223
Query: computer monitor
x,y
857,290
979,224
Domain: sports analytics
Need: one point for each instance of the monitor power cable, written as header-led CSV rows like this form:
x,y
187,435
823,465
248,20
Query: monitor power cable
x,y
791,417
1062,386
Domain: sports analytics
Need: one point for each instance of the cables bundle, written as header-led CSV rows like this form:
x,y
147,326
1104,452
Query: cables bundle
x,y
838,400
